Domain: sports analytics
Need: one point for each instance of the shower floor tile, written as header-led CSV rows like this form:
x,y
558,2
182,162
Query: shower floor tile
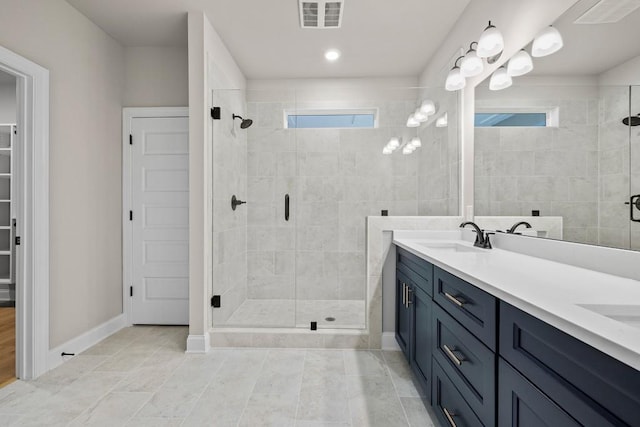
x,y
289,313
225,387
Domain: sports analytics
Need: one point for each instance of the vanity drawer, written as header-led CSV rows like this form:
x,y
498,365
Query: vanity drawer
x,y
472,307
468,363
568,370
448,404
418,270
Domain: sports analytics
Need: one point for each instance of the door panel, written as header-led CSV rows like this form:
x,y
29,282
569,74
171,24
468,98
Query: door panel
x,y
634,169
160,236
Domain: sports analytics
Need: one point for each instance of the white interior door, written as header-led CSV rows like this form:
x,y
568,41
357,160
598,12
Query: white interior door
x,y
160,220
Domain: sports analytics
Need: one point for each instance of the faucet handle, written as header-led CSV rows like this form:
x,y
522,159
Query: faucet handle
x,y
487,243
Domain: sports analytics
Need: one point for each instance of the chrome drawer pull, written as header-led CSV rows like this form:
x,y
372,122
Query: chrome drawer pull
x,y
449,416
454,300
457,360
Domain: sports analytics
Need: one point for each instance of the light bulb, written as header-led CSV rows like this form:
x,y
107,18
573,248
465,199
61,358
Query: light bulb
x,y
428,107
520,64
420,116
442,121
412,122
548,41
415,142
332,55
471,64
500,79
455,80
491,42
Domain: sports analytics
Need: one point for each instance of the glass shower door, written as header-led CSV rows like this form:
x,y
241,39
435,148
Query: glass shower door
x,y
634,170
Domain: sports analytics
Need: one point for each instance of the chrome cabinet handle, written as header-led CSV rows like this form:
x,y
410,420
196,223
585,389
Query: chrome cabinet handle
x,y
449,416
404,294
454,300
409,299
457,360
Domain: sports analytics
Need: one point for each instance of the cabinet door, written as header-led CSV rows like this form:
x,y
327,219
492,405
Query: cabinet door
x,y
403,314
521,404
421,338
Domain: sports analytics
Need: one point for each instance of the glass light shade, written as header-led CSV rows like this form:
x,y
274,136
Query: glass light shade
x,y
408,149
393,143
471,64
332,55
412,122
420,116
520,64
415,142
387,150
490,43
428,107
442,121
548,41
500,79
455,80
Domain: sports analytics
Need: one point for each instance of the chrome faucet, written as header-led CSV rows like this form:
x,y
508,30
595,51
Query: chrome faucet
x,y
512,230
482,237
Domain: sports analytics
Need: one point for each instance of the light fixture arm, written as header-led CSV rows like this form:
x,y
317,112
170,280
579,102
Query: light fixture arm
x,y
455,64
471,46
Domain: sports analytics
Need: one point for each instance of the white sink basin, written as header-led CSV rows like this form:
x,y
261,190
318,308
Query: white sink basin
x,y
627,314
451,247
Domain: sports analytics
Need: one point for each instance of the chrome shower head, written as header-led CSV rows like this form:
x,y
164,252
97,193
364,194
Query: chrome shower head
x,y
245,122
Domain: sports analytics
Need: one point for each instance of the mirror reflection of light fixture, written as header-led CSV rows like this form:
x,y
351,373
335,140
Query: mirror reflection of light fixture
x,y
520,64
412,122
471,64
491,42
455,79
500,79
415,142
391,145
548,41
442,121
408,149
428,107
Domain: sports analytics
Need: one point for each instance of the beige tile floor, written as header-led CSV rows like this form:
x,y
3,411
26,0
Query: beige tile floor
x,y
291,313
141,376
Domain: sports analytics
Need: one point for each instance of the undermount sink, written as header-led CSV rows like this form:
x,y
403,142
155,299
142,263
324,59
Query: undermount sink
x,y
627,314
451,247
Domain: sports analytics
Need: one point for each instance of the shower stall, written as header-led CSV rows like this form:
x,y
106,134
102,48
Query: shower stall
x,y
311,169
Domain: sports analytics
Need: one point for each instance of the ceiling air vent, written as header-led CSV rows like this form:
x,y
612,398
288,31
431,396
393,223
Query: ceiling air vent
x,y
321,14
608,11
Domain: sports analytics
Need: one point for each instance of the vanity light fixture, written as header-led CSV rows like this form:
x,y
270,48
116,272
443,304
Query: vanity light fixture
x,y
387,150
415,142
455,79
443,121
548,41
391,146
412,122
471,64
491,42
520,64
408,149
428,107
500,79
420,116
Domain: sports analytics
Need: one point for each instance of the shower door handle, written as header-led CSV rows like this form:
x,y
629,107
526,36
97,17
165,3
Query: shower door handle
x,y
286,207
634,201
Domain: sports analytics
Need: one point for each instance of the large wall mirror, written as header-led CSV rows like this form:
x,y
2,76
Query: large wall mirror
x,y
563,140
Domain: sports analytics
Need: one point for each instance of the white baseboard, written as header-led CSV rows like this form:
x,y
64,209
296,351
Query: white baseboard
x,y
82,342
198,343
389,341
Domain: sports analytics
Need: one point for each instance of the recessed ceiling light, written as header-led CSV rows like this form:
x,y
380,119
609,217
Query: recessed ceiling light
x,y
332,55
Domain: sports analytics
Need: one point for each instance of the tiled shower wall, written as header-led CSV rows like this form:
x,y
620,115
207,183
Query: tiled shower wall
x,y
229,227
439,159
335,178
553,170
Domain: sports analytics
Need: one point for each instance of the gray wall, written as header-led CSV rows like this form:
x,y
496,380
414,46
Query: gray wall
x,y
7,102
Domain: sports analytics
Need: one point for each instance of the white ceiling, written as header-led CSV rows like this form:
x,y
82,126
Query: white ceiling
x,y
591,49
378,38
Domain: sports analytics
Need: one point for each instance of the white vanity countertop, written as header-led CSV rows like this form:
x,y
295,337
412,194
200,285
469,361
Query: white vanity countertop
x,y
553,292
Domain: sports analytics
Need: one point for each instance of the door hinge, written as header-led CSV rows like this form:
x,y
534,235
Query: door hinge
x,y
17,240
130,215
130,139
130,291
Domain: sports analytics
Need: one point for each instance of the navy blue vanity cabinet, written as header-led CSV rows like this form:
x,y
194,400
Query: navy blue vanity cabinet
x,y
414,289
450,407
592,387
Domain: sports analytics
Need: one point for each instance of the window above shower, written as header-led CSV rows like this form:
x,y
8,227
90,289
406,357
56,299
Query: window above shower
x,y
331,119
520,117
